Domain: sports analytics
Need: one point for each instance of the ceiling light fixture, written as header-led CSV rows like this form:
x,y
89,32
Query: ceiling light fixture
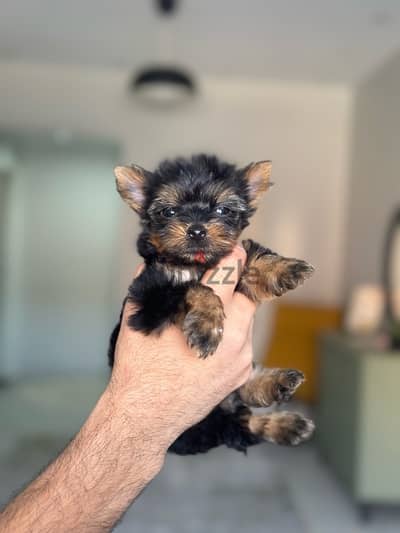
x,y
163,85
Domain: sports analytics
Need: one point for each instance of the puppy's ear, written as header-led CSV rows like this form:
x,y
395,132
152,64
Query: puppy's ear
x,y
130,185
257,176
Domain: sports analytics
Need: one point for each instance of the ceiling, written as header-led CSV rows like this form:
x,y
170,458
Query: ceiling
x,y
309,40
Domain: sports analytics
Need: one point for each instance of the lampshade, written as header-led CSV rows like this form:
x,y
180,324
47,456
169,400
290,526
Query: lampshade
x,y
163,85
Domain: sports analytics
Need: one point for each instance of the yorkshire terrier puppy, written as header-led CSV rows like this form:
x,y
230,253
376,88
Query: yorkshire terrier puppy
x,y
192,212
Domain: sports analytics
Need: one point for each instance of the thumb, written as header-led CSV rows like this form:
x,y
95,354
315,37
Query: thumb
x,y
225,276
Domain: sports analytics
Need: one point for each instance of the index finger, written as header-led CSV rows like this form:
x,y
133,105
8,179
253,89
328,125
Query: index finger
x,y
225,276
129,307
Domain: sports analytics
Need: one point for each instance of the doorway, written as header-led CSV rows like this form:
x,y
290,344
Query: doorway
x,y
57,275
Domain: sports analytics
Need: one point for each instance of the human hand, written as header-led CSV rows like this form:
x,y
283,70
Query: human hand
x,y
158,389
163,379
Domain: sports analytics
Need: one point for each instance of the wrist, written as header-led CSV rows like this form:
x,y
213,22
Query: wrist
x,y
133,429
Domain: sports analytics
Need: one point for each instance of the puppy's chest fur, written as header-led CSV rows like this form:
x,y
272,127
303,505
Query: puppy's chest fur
x,y
177,275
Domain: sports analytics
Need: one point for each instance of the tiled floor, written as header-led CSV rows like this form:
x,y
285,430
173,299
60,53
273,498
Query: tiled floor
x,y
271,490
222,492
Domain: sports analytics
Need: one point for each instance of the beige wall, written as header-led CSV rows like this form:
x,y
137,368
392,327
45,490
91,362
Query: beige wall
x,y
375,172
303,128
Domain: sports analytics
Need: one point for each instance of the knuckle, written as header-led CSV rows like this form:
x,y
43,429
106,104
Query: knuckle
x,y
244,306
235,259
239,253
245,374
235,335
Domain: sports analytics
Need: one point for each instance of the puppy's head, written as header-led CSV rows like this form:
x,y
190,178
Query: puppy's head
x,y
194,209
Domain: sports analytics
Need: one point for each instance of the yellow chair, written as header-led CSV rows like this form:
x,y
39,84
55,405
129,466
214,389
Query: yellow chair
x,y
294,342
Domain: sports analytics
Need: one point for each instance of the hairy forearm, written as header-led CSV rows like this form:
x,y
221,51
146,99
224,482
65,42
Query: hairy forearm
x,y
91,484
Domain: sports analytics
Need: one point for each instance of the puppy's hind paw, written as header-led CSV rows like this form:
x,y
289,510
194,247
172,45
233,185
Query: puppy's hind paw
x,y
284,428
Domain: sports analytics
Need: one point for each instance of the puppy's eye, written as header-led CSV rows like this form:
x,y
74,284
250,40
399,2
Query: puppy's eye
x,y
169,212
221,210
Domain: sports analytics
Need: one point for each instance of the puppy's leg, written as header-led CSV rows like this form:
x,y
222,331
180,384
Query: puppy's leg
x,y
267,275
232,424
222,426
283,428
268,385
158,302
202,321
194,307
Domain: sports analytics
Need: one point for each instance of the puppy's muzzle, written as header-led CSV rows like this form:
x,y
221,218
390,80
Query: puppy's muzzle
x,y
197,232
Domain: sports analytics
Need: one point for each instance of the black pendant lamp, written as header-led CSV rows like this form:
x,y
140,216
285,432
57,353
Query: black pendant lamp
x,y
162,84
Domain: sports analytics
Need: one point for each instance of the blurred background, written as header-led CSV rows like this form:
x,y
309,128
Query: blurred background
x,y
314,86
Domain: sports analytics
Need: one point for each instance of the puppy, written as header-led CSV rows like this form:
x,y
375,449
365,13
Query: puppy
x,y
192,212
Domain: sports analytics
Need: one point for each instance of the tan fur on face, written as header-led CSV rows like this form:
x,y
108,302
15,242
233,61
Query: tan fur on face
x,y
217,234
156,242
226,194
176,235
167,196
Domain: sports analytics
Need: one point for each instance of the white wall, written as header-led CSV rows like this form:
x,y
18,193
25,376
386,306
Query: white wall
x,y
375,172
303,128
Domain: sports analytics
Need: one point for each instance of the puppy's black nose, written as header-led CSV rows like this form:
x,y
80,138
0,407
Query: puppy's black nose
x,y
197,232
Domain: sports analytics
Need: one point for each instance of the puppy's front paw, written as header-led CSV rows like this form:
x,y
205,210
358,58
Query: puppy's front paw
x,y
203,325
284,428
268,275
284,274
